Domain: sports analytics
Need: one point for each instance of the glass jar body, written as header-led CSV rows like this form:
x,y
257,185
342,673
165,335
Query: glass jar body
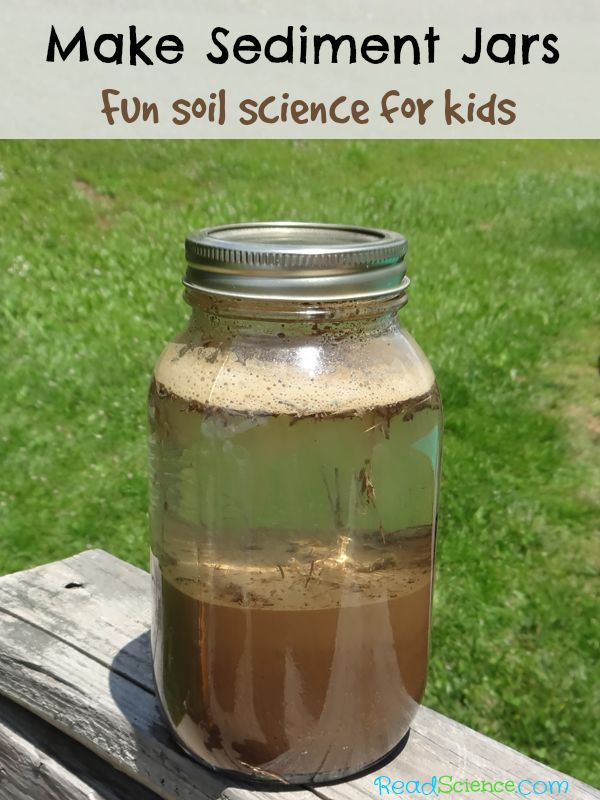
x,y
294,483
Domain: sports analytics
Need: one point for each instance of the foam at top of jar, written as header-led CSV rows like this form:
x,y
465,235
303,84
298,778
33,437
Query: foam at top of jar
x,y
365,375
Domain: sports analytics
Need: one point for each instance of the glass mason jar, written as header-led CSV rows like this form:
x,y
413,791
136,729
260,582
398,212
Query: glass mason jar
x,y
295,455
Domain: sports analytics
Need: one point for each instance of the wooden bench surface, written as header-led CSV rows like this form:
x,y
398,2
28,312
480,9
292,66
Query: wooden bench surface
x,y
79,716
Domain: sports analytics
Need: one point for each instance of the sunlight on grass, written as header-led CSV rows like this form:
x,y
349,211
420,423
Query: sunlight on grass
x,y
504,243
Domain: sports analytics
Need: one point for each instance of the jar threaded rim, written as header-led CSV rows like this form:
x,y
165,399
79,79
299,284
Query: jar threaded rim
x,y
296,261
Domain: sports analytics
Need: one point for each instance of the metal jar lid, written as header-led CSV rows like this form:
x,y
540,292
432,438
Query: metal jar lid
x,y
296,261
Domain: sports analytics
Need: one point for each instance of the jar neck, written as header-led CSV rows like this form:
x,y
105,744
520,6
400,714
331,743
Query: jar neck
x,y
228,316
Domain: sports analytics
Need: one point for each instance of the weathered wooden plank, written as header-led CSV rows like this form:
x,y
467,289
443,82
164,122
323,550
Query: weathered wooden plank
x,y
76,652
39,763
112,716
439,746
93,601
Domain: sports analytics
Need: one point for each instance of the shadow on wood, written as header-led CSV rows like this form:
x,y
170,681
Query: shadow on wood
x,y
40,762
74,652
138,652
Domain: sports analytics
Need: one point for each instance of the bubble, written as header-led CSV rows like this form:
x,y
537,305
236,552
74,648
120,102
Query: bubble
x,y
350,377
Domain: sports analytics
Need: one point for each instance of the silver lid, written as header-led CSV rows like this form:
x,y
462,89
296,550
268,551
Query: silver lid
x,y
296,261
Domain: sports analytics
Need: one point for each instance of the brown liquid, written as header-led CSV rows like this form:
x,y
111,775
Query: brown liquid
x,y
285,690
293,549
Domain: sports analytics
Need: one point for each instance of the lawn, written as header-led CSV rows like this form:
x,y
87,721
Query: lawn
x,y
505,261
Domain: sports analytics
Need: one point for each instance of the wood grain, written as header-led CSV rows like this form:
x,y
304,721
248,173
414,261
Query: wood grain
x,y
74,650
39,763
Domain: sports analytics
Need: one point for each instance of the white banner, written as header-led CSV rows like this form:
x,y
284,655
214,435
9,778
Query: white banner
x,y
281,69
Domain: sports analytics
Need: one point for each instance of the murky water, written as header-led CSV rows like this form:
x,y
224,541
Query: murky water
x,y
292,560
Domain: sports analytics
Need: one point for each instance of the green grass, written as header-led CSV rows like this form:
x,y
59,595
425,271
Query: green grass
x,y
505,261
